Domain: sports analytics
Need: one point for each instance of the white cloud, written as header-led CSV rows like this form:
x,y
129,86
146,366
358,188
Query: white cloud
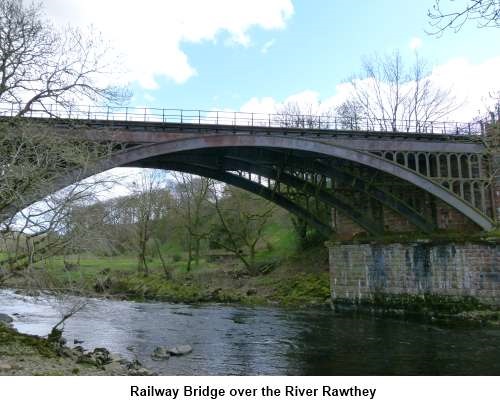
x,y
149,97
260,105
470,83
306,100
415,43
267,46
150,34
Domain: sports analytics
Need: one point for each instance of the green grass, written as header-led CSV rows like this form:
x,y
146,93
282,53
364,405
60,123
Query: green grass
x,y
280,243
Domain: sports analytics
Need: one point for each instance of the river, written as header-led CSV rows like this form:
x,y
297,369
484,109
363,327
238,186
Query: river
x,y
234,340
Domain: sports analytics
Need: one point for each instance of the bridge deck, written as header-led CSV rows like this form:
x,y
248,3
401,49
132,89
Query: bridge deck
x,y
136,132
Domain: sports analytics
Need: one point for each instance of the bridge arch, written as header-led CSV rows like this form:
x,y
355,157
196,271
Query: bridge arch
x,y
132,155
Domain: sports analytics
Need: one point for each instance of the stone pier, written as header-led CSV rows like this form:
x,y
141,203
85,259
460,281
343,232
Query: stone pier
x,y
363,273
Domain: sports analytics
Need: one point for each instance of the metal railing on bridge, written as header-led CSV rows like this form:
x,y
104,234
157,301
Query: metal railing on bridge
x,y
244,119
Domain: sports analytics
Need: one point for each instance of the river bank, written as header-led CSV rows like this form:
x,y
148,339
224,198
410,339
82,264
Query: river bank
x,y
24,354
299,281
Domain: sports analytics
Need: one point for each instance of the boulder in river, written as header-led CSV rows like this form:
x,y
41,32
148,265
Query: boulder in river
x,y
135,368
183,349
98,357
160,353
102,356
87,358
79,349
140,372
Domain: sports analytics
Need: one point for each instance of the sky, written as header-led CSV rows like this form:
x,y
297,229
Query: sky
x,y
253,55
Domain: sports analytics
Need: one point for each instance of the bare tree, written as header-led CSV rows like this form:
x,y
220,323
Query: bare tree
x,y
493,106
242,218
33,158
43,229
351,114
149,203
191,194
41,66
485,13
292,114
392,97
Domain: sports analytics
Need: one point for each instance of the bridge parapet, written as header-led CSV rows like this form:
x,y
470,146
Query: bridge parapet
x,y
186,117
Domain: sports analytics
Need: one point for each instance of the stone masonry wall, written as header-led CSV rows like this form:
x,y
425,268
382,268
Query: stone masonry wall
x,y
447,219
452,220
359,271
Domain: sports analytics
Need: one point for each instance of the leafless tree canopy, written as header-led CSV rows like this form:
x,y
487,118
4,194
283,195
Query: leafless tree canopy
x,y
148,202
241,220
292,114
395,97
190,207
32,161
485,13
40,65
32,158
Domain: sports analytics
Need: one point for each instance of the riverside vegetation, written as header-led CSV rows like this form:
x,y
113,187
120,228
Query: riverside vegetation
x,y
192,240
285,277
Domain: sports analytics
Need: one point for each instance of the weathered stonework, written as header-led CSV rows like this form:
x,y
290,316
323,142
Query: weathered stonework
x,y
446,218
361,272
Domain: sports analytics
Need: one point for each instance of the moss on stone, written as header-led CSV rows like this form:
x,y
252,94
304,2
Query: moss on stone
x,y
431,305
304,288
491,237
15,343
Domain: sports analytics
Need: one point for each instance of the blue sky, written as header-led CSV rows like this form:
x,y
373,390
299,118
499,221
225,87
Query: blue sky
x,y
322,45
231,54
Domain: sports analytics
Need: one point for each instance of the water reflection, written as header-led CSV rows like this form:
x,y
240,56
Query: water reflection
x,y
246,341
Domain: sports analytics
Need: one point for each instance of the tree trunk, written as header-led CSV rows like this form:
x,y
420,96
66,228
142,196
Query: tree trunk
x,y
300,227
162,260
197,252
190,254
252,258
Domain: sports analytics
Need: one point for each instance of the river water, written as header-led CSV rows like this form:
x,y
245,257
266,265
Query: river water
x,y
233,340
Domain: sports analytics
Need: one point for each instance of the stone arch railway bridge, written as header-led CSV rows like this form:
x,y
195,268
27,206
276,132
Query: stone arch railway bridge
x,y
345,177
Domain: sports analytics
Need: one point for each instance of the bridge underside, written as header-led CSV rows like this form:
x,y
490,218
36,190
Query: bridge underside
x,y
333,195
